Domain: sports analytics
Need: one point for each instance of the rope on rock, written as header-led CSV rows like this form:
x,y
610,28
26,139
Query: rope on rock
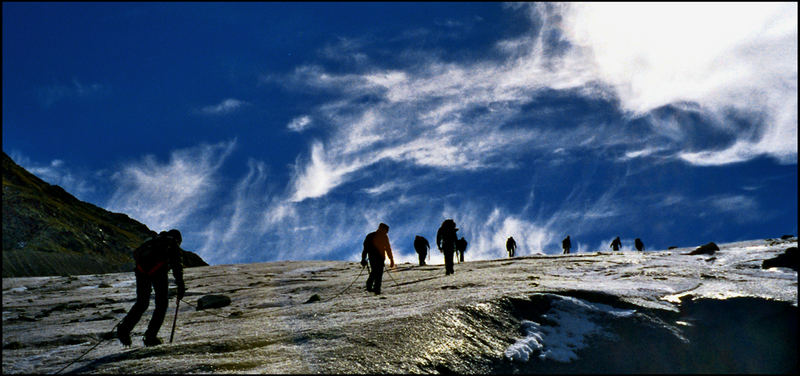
x,y
111,333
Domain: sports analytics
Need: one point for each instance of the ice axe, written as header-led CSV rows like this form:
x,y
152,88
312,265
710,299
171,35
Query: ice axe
x,y
175,320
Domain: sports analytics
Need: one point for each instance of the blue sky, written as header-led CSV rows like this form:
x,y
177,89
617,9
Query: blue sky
x,y
275,131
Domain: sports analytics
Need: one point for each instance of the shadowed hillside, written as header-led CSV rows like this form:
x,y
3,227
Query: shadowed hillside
x,y
47,231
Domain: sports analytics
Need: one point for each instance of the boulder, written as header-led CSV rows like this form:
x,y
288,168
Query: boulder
x,y
313,298
787,237
705,249
213,301
788,259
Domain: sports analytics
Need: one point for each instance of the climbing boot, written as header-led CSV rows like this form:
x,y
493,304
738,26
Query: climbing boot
x,y
152,341
124,337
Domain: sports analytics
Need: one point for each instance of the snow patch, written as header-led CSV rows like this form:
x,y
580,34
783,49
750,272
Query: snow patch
x,y
575,320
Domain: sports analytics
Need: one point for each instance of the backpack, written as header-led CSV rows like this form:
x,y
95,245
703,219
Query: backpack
x,y
151,256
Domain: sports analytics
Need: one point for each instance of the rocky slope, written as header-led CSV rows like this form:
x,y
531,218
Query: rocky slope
x,y
47,231
621,312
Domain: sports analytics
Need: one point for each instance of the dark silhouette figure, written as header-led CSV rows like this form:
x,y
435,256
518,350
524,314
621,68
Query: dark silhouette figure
x,y
446,242
461,246
377,247
154,258
566,245
639,245
421,245
511,246
616,244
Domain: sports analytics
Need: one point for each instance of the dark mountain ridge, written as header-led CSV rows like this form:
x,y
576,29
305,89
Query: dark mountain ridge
x,y
47,231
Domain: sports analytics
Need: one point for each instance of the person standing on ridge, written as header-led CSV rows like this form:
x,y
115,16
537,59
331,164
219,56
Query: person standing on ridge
x,y
446,242
421,245
461,247
639,245
566,245
511,246
616,244
377,247
154,258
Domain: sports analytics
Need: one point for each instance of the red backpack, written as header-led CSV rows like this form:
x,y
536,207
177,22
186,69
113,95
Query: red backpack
x,y
151,256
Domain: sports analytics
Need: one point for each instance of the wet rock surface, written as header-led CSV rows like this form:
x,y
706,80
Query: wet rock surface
x,y
788,259
705,249
625,312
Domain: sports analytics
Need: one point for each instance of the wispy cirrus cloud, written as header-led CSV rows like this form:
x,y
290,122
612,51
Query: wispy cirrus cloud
x,y
345,50
463,114
232,233
485,115
299,123
163,195
227,106
57,172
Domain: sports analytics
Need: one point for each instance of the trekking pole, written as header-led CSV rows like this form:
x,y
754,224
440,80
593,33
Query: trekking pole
x,y
175,320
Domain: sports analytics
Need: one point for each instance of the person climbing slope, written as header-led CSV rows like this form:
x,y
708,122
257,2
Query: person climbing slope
x,y
377,247
154,258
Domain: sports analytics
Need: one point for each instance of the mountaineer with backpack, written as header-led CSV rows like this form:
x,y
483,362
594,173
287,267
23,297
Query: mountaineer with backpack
x,y
616,244
377,247
154,258
421,245
511,246
461,247
446,242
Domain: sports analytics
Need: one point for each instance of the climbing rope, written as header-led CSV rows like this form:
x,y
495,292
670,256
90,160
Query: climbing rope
x,y
390,276
281,308
111,333
348,286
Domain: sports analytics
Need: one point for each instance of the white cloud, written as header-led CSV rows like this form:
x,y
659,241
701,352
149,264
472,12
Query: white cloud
x,y
385,187
456,116
345,50
740,208
641,153
226,106
299,123
487,229
318,177
739,56
231,232
633,52
57,172
734,203
163,195
451,115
